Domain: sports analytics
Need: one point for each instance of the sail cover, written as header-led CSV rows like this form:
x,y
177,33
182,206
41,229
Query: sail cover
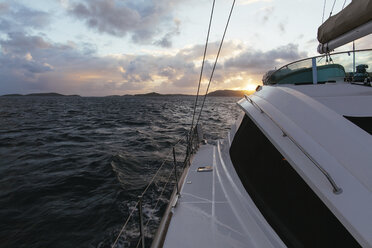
x,y
357,13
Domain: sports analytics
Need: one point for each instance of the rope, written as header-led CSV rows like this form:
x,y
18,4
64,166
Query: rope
x,y
325,2
215,62
202,66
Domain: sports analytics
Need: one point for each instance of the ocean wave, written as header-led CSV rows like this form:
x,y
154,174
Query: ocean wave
x,y
72,169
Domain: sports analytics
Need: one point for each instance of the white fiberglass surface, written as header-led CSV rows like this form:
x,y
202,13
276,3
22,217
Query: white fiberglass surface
x,y
214,209
344,98
339,146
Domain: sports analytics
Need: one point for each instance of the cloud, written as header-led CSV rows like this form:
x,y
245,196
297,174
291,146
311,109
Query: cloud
x,y
64,3
166,41
267,13
18,43
3,7
17,54
31,63
258,62
180,70
282,26
29,60
16,18
141,20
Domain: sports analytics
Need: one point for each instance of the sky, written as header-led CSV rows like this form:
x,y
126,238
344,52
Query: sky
x,y
117,47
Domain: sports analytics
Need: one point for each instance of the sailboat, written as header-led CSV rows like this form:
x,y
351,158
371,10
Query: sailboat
x,y
295,170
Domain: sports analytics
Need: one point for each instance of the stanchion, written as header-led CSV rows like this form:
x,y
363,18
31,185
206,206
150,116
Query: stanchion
x,y
141,221
175,169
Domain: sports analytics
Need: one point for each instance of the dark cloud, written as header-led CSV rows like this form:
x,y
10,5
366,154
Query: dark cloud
x,y
166,41
34,67
32,60
142,20
107,16
19,43
31,18
258,62
180,70
17,18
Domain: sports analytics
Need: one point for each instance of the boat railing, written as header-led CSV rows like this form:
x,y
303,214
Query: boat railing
x,y
173,179
336,189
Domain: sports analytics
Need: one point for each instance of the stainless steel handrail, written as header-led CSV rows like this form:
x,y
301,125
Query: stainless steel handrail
x,y
336,189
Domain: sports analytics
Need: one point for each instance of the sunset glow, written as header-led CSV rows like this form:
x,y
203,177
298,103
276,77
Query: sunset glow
x,y
113,47
251,87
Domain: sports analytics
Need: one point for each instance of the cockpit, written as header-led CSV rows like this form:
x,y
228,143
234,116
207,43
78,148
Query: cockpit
x,y
349,66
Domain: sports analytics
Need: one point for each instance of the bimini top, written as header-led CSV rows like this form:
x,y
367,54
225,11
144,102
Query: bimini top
x,y
324,68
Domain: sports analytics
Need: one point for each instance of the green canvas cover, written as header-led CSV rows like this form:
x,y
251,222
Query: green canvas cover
x,y
357,13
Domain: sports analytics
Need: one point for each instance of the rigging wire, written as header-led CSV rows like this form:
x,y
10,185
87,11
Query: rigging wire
x,y
201,109
202,66
333,6
343,6
325,2
215,62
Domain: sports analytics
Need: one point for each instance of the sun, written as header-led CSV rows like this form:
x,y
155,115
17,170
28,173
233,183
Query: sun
x,y
251,87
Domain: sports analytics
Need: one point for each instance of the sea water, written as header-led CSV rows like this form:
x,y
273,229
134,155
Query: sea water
x,y
71,168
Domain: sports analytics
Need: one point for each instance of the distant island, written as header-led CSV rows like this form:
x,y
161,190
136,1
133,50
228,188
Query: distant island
x,y
219,93
227,93
230,93
155,94
41,94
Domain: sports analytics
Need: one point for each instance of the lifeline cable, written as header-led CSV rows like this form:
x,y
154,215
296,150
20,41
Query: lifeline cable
x,y
144,191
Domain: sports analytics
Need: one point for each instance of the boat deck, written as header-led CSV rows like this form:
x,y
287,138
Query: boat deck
x,y
213,210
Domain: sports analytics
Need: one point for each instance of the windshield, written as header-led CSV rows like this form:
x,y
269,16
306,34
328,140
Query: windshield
x,y
346,66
